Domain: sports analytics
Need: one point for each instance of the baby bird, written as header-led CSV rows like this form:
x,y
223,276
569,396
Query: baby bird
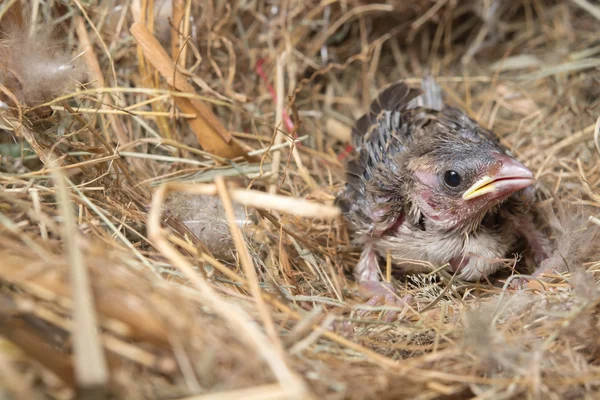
x,y
428,184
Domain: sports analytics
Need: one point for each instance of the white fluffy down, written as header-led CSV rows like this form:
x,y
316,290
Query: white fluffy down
x,y
205,217
36,68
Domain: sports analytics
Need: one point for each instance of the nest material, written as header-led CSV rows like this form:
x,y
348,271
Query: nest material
x,y
85,243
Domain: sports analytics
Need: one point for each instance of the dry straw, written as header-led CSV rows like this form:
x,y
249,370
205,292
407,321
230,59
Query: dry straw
x,y
104,289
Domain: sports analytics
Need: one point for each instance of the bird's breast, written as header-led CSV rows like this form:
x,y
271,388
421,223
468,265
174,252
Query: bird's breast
x,y
475,255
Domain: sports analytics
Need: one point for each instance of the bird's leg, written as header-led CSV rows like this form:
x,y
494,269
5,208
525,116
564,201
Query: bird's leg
x,y
540,247
367,269
537,241
366,274
527,229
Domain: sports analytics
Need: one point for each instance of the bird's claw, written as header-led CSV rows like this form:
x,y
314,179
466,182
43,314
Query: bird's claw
x,y
383,293
518,283
535,281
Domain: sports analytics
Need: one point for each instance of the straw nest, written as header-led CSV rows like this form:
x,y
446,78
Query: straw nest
x,y
170,232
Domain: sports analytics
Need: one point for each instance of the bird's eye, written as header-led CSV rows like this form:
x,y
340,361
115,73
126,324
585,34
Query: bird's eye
x,y
452,178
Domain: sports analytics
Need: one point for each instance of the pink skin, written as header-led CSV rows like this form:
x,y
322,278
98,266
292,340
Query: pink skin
x,y
383,292
535,239
538,245
509,176
378,292
458,263
538,242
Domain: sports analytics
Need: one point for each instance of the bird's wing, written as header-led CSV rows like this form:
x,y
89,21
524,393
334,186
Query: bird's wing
x,y
383,131
384,115
377,136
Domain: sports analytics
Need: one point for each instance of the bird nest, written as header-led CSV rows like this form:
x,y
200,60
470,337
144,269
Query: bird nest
x,y
168,174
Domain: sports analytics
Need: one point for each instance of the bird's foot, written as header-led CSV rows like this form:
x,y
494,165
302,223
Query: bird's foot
x,y
383,293
518,283
342,328
535,281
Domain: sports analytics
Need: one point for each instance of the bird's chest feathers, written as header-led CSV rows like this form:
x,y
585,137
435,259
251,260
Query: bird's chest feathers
x,y
475,253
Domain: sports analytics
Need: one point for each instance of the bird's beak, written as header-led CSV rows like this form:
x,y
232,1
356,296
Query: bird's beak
x,y
504,178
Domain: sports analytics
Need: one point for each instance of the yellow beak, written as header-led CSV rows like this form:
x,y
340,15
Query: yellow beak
x,y
508,176
483,186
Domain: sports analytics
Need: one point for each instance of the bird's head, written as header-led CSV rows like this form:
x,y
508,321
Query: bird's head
x,y
455,180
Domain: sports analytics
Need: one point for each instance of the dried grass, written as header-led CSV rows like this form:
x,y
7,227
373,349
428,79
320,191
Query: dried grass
x,y
83,179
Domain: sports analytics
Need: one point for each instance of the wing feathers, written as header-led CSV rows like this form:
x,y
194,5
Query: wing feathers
x,y
384,113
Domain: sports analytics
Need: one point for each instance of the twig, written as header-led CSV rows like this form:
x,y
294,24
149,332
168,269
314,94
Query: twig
x,y
90,364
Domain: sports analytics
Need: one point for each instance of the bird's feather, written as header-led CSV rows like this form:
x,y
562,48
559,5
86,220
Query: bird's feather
x,y
377,136
406,133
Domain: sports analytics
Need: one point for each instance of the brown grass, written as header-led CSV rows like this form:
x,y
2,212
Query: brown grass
x,y
103,290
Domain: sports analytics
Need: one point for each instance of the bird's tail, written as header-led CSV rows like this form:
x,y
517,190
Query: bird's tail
x,y
432,94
